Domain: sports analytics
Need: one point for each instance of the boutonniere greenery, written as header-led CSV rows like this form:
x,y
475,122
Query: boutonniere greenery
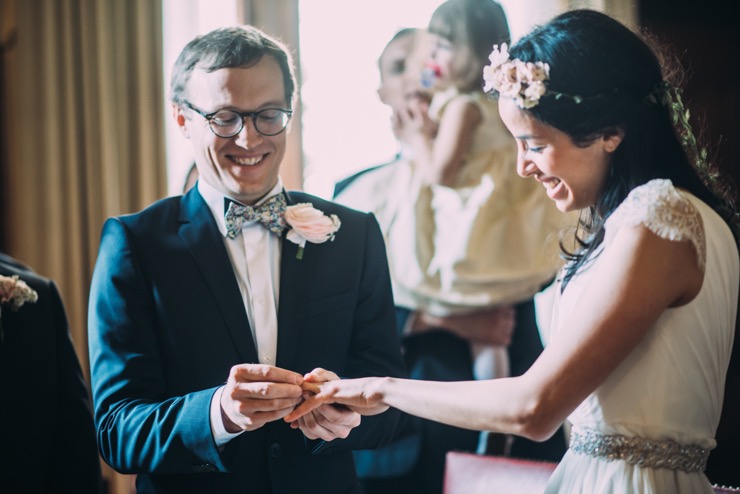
x,y
14,292
308,224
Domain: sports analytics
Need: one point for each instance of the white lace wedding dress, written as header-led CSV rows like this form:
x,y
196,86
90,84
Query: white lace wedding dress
x,y
649,427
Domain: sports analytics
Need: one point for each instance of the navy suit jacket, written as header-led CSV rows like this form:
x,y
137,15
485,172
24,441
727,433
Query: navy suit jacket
x,y
47,437
167,322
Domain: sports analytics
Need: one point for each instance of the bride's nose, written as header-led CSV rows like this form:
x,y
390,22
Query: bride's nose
x,y
524,166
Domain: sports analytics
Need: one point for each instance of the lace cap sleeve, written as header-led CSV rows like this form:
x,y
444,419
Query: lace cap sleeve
x,y
665,211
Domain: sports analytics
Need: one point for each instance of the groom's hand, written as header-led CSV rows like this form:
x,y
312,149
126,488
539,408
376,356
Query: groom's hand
x,y
256,394
327,422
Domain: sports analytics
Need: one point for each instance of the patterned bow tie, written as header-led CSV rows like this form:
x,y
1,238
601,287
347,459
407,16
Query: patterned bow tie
x,y
271,214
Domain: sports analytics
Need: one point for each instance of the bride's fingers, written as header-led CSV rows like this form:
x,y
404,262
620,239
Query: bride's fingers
x,y
320,375
309,404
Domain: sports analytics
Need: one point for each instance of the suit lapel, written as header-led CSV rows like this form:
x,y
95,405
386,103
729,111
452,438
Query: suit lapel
x,y
200,233
293,284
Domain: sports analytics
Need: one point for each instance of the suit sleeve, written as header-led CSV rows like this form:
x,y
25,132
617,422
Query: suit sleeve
x,y
376,346
139,429
77,465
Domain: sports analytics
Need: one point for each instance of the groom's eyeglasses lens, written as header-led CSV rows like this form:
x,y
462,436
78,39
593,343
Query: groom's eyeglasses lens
x,y
228,123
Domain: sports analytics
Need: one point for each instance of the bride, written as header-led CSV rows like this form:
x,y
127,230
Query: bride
x,y
644,312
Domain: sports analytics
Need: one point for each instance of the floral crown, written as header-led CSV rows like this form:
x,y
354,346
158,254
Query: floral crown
x,y
524,82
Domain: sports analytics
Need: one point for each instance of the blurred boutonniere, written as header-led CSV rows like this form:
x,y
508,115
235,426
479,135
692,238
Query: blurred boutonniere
x,y
309,224
14,292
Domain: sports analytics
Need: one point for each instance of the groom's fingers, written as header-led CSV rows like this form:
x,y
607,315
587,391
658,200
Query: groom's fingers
x,y
264,373
264,391
250,411
262,418
310,387
261,396
308,426
329,423
337,419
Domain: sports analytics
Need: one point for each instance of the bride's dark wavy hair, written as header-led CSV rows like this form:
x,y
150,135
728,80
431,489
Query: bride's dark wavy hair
x,y
619,78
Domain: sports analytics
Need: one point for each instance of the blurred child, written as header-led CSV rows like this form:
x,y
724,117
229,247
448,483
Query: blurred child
x,y
469,236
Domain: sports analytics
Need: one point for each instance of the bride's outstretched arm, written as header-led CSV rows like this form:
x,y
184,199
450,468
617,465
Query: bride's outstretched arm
x,y
636,282
464,404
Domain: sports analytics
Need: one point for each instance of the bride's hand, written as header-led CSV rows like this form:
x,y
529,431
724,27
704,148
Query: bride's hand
x,y
324,387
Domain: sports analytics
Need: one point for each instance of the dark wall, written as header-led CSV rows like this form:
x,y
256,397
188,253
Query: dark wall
x,y
707,39
4,205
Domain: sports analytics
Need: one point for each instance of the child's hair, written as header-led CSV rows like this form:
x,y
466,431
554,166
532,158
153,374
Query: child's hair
x,y
604,78
473,27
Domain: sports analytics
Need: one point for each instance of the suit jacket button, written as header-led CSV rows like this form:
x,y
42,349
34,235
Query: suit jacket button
x,y
204,468
275,450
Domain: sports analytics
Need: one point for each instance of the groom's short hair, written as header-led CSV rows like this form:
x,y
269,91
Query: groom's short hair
x,y
231,47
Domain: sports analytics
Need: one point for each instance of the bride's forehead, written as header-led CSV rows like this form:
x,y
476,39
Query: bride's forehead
x,y
514,117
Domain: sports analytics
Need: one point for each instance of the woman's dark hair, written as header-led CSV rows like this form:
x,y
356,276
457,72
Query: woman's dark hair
x,y
231,47
613,80
473,27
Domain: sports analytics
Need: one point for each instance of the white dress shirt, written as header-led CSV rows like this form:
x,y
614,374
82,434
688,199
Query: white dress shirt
x,y
255,257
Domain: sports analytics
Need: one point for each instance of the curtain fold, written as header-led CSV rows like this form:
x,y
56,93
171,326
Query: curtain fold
x,y
82,136
83,133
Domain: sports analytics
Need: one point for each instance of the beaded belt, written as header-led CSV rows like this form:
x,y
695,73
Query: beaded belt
x,y
639,451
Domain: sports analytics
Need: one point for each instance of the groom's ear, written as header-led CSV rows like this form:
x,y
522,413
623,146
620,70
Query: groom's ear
x,y
180,120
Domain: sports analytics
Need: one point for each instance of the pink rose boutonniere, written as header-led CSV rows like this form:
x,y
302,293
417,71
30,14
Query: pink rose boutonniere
x,y
309,224
14,292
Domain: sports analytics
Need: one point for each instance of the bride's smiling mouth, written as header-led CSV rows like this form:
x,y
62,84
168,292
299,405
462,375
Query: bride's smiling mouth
x,y
552,186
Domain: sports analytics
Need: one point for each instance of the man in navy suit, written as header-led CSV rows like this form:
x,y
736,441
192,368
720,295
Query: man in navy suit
x,y
209,288
47,437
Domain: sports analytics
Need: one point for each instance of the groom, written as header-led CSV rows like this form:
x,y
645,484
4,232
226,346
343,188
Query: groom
x,y
218,286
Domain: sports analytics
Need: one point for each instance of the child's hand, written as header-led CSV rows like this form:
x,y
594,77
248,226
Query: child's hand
x,y
414,123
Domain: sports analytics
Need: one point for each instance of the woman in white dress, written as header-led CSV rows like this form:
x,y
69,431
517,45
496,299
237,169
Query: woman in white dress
x,y
644,313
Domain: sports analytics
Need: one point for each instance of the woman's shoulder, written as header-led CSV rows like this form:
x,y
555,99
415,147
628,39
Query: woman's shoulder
x,y
663,209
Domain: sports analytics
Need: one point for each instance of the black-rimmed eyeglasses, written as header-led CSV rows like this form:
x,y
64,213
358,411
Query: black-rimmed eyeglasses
x,y
228,123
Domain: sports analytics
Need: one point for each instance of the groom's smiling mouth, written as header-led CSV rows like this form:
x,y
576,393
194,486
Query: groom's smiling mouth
x,y
247,161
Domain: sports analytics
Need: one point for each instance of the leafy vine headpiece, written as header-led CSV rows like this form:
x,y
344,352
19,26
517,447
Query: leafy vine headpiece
x,y
526,84
668,95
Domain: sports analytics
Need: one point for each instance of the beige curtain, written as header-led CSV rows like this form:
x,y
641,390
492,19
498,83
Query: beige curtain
x,y
83,136
82,140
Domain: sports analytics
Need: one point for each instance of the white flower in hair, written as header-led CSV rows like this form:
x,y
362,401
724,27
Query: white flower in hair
x,y
524,82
